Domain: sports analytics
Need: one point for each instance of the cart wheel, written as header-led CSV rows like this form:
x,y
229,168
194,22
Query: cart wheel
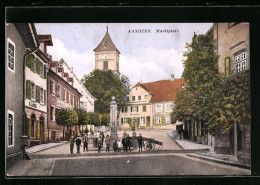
x,y
160,147
148,146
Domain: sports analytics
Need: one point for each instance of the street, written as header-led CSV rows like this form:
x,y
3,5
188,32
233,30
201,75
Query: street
x,y
170,161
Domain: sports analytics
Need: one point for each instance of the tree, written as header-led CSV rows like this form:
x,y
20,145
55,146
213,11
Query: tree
x,y
83,118
103,85
66,118
234,103
196,101
105,119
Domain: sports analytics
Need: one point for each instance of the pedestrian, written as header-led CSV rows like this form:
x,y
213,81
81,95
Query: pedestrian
x,y
107,141
78,143
124,133
119,145
99,145
124,143
85,143
102,138
71,144
140,142
128,142
115,146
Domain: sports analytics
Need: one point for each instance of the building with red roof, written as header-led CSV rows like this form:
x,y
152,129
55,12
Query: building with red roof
x,y
149,105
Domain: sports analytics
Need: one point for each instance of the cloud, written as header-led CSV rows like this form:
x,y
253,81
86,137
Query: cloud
x,y
148,64
82,63
151,64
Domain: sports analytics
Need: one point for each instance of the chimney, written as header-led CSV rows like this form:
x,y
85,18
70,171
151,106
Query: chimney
x,y
172,77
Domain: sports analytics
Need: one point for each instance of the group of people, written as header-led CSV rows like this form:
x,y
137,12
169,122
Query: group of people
x,y
118,145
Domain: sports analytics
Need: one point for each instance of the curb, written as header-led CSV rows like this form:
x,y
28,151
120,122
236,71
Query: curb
x,y
220,161
45,148
175,142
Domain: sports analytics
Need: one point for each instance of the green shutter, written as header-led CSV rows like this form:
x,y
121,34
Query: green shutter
x,y
28,89
154,120
38,94
138,122
45,70
38,66
136,108
38,130
144,108
44,97
29,61
131,109
163,119
121,120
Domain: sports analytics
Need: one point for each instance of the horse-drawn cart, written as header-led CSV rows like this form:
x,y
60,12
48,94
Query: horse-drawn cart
x,y
152,144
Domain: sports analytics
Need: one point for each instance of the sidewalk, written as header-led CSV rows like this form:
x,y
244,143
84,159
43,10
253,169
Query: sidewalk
x,y
209,154
42,147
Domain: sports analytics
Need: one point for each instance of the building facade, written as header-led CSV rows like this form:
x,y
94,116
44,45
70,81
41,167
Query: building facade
x,y
18,38
61,94
36,92
87,100
107,55
149,105
232,45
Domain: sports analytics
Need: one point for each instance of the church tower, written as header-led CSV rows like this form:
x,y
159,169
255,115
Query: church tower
x,y
107,55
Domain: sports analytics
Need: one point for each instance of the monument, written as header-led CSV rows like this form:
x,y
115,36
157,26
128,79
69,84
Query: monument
x,y
113,119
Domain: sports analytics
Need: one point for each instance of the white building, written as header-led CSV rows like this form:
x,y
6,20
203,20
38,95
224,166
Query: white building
x,y
87,100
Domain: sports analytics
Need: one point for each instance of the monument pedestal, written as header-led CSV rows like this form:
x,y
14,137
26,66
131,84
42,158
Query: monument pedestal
x,y
113,134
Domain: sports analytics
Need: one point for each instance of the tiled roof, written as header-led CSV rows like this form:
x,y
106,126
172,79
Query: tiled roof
x,y
106,44
163,90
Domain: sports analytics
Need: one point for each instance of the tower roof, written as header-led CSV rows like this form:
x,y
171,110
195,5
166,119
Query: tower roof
x,y
106,44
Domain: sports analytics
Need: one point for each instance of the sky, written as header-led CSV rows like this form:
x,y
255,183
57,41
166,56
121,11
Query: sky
x,y
146,54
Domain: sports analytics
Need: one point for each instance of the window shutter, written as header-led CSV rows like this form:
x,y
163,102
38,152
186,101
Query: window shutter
x,y
163,119
122,121
131,109
136,108
45,70
38,130
38,66
144,108
28,89
138,122
37,94
29,61
30,128
154,120
144,120
44,97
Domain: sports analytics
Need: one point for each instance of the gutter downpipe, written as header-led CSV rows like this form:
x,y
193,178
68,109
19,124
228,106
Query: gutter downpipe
x,y
33,32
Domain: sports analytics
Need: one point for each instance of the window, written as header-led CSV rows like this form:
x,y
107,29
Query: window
x,y
158,120
133,98
52,87
227,67
168,107
58,91
159,108
134,109
10,117
168,119
68,97
141,120
240,61
42,95
33,64
139,97
125,109
125,120
64,95
105,65
52,113
11,55
32,91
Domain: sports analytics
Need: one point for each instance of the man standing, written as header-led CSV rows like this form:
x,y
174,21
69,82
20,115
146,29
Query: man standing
x,y
140,142
128,142
71,144
85,141
124,143
107,141
78,143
